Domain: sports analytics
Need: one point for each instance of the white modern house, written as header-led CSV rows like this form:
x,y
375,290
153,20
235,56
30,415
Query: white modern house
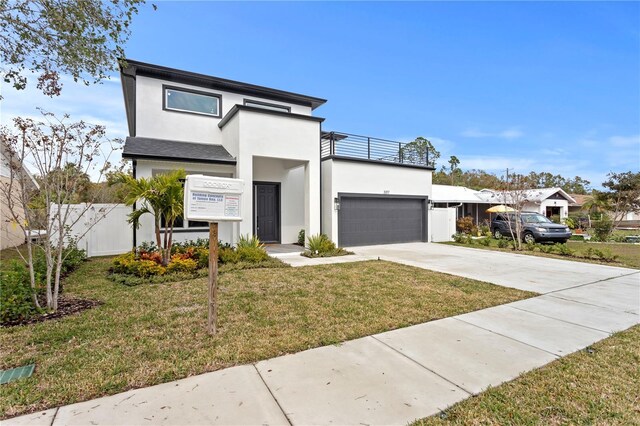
x,y
358,190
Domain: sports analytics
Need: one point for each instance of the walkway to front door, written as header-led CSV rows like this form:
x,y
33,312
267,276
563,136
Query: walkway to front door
x,y
267,211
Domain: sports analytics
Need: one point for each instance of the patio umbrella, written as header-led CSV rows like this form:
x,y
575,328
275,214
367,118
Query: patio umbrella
x,y
500,209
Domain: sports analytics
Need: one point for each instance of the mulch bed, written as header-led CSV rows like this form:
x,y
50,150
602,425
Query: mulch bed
x,y
66,306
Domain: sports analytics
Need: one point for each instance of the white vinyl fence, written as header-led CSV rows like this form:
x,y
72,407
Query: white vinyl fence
x,y
443,223
110,234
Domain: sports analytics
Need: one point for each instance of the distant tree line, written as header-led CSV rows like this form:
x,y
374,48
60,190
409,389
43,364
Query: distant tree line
x,y
480,179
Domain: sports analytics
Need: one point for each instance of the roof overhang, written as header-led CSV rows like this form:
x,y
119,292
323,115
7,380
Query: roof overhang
x,y
172,150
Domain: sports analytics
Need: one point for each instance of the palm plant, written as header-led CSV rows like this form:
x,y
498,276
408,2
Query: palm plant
x,y
162,197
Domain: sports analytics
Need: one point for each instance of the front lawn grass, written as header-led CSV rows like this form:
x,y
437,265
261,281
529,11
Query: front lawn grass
x,y
598,386
628,254
154,333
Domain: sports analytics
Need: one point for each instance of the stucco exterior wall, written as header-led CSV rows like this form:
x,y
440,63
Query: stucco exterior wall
x,y
154,122
294,141
291,193
11,234
367,178
542,207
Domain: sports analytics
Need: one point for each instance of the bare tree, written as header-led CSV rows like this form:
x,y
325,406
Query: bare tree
x,y
47,148
515,194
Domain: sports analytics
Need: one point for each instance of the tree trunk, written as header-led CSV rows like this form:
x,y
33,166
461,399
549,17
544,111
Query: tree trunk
x,y
32,273
56,287
49,261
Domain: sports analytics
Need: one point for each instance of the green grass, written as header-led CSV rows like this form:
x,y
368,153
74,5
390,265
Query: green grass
x,y
596,387
628,254
150,334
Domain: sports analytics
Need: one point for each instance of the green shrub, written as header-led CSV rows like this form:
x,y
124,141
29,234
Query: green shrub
x,y
486,241
571,222
16,295
228,255
602,229
252,254
546,248
503,243
564,250
202,257
459,238
320,244
301,237
179,264
604,255
251,241
530,246
150,247
588,253
72,258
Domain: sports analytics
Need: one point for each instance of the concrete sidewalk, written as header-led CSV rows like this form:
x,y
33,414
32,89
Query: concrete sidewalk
x,y
393,377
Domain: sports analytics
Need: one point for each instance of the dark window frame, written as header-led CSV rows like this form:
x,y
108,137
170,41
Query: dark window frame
x,y
281,108
166,87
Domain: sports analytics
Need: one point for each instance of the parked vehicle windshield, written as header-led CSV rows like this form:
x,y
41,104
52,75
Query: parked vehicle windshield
x,y
535,218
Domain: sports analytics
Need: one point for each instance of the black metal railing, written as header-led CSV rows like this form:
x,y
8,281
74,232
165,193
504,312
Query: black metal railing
x,y
338,144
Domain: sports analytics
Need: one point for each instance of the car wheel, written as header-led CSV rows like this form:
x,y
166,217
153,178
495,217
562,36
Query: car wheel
x,y
529,238
497,234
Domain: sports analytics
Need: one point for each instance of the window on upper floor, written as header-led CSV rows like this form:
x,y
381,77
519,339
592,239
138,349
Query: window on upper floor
x,y
191,101
265,105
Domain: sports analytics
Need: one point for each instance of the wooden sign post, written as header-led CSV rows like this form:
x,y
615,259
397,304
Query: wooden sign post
x,y
212,199
213,278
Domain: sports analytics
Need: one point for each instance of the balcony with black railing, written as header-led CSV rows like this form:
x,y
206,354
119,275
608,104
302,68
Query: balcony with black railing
x,y
349,146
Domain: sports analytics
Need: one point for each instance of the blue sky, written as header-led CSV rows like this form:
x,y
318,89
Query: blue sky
x,y
530,86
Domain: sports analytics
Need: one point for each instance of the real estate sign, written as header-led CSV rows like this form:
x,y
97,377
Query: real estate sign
x,y
212,199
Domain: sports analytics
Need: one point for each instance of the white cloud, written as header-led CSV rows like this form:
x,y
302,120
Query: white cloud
x,y
625,141
510,133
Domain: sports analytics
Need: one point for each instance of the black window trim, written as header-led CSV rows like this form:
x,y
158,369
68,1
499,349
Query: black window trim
x,y
254,102
196,92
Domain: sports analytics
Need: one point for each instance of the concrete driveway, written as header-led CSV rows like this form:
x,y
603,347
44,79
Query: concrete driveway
x,y
521,271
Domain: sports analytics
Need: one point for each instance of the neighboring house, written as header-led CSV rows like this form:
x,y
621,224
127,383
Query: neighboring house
x,y
11,235
468,202
546,201
579,201
357,190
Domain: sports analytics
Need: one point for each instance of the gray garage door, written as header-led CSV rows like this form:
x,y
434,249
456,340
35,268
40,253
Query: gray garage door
x,y
367,220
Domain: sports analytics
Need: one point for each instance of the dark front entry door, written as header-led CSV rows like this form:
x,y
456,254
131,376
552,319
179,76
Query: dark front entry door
x,y
267,208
